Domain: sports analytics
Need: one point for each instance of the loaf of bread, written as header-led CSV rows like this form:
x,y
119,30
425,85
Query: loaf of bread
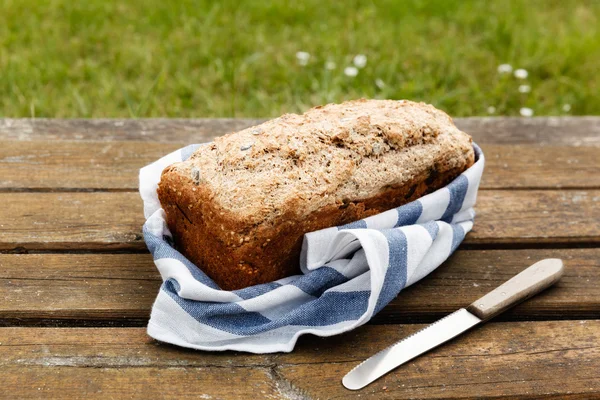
x,y
239,207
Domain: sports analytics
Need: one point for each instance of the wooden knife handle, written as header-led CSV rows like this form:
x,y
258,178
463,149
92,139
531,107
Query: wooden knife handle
x,y
529,282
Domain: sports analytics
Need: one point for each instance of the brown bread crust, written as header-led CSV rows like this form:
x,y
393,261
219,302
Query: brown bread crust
x,y
240,245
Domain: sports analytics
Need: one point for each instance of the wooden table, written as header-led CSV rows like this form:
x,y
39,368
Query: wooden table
x,y
77,283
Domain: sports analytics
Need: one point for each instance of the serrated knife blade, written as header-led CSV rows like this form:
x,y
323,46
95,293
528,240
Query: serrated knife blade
x,y
533,280
409,348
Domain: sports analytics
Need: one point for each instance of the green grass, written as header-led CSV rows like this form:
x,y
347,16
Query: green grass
x,y
108,58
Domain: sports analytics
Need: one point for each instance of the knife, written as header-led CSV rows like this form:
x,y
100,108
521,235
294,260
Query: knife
x,y
529,282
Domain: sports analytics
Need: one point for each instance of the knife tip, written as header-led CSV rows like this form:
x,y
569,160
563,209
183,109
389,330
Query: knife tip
x,y
350,384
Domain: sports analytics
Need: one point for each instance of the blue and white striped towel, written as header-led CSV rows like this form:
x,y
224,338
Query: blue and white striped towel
x,y
349,272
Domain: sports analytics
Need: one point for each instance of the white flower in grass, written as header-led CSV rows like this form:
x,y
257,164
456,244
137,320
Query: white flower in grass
x,y
302,57
351,71
379,83
330,65
524,89
504,69
521,73
526,112
566,107
491,110
360,60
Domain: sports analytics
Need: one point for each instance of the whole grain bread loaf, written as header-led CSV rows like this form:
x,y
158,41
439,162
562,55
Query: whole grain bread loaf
x,y
239,207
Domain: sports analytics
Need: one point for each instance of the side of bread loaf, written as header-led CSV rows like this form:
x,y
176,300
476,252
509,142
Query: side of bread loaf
x,y
239,207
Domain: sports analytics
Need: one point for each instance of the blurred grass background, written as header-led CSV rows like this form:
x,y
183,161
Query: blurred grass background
x,y
109,58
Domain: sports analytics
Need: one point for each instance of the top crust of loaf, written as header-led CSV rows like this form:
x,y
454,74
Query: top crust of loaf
x,y
333,154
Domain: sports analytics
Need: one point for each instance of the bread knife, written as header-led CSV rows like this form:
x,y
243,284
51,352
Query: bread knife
x,y
529,282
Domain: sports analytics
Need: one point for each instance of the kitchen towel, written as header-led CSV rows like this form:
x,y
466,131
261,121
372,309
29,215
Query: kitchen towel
x,y
349,273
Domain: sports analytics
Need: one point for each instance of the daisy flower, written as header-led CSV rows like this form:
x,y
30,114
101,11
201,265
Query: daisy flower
x,y
351,71
521,73
524,89
526,112
360,60
302,57
504,69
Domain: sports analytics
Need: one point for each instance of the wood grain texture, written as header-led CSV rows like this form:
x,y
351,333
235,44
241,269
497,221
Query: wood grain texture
x,y
532,216
41,382
468,275
109,221
495,360
538,166
72,165
571,131
530,163
578,131
527,283
71,221
68,165
115,287
120,288
148,130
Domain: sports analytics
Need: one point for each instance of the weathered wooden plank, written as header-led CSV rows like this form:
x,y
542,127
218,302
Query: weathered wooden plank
x,y
72,165
577,131
530,216
536,166
495,360
107,220
42,382
498,360
470,274
109,348
102,221
67,165
571,131
149,130
115,287
121,287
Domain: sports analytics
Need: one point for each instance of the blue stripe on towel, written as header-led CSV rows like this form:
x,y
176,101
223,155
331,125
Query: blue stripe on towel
x,y
458,234
256,290
409,213
331,308
458,191
395,276
228,317
360,224
325,301
320,280
160,249
432,227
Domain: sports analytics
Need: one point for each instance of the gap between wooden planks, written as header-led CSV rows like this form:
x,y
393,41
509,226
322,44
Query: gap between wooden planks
x,y
525,359
74,165
40,289
111,221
